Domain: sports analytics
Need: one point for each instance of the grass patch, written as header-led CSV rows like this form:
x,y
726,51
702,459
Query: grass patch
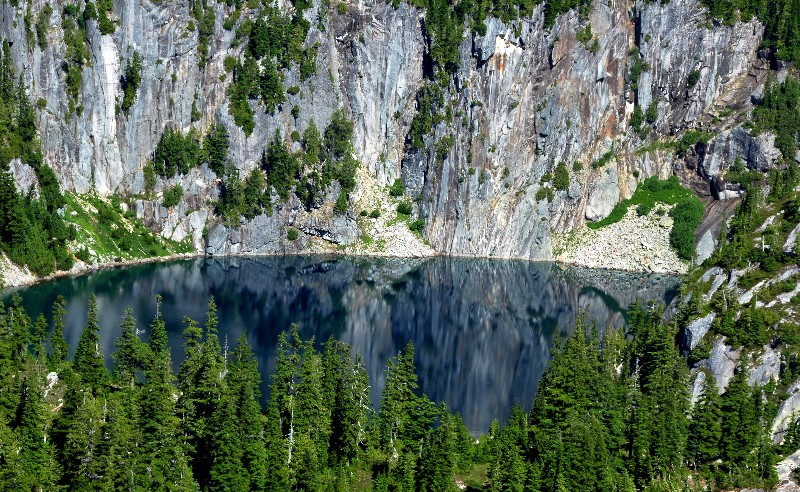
x,y
687,214
111,234
652,191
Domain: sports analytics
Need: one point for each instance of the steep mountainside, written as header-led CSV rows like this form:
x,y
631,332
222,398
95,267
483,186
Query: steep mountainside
x,y
475,140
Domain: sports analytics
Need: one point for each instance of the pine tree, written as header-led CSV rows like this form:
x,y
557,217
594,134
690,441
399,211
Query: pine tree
x,y
216,148
39,339
705,430
58,346
10,472
161,446
83,462
313,413
404,417
124,465
35,459
20,330
312,144
208,393
128,354
225,450
89,362
244,380
283,391
277,457
347,393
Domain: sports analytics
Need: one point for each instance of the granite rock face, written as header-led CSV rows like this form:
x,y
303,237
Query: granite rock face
x,y
527,99
696,330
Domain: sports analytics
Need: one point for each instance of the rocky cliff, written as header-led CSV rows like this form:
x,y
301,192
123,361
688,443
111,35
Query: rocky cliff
x,y
524,99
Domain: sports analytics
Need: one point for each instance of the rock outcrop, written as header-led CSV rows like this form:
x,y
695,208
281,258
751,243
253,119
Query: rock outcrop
x,y
696,330
524,99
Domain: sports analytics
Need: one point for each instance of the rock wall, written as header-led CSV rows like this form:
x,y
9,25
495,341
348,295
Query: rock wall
x,y
525,98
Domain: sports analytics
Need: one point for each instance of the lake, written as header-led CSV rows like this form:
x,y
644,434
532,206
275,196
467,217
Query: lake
x,y
482,329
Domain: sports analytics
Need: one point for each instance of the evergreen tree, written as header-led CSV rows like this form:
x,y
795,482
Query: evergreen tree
x,y
83,460
705,431
404,416
312,144
244,380
40,338
216,148
127,356
35,461
225,451
276,456
89,362
162,447
124,466
58,346
347,393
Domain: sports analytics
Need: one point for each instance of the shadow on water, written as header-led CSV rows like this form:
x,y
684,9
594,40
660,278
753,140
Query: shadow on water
x,y
482,329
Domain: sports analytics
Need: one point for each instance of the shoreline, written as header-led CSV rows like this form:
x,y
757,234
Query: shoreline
x,y
95,267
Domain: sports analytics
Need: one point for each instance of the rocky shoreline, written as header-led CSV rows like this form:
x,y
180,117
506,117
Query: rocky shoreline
x,y
644,250
634,244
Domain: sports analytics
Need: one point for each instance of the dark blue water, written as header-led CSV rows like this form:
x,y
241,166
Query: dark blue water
x,y
482,329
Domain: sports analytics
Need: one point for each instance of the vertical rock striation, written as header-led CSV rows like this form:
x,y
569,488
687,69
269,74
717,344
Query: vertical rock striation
x,y
523,100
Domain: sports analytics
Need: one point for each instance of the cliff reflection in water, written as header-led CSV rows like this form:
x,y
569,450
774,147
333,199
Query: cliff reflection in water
x,y
482,328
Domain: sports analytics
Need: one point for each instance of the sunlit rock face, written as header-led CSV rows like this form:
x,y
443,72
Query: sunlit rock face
x,y
482,329
523,100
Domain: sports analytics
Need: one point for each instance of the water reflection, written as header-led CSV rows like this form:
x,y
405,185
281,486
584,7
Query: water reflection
x,y
482,328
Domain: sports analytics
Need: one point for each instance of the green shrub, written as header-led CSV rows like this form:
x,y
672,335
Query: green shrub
x,y
230,63
416,226
172,196
585,34
292,234
651,191
131,81
149,177
577,166
341,202
561,177
637,67
637,118
293,90
374,214
404,207
603,160
694,78
397,188
689,140
651,115
542,194
176,152
687,215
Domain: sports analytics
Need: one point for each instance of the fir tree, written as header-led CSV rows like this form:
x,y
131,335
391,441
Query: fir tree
x,y
58,346
244,380
35,460
705,430
89,362
225,451
161,446
127,356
